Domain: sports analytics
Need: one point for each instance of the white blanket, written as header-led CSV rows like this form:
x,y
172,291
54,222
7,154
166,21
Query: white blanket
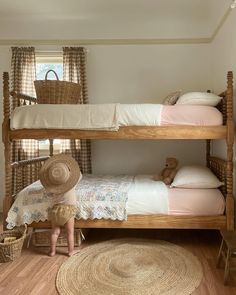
x,y
144,114
147,196
87,117
64,116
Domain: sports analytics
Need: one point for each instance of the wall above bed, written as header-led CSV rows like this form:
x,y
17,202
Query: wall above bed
x,y
105,19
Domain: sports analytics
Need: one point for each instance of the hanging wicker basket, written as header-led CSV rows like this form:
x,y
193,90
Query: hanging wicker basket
x,y
56,91
10,251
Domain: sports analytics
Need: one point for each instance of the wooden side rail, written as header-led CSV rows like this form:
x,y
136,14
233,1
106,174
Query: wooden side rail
x,y
29,162
25,172
150,221
226,104
18,176
23,99
221,169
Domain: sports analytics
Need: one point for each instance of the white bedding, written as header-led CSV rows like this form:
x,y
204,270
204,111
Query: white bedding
x,y
89,116
145,197
60,116
139,114
32,203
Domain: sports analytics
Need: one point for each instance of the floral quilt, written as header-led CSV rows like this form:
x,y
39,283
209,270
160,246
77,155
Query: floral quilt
x,y
98,197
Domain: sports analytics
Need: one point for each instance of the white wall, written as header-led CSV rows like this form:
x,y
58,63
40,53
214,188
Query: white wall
x,y
81,19
134,74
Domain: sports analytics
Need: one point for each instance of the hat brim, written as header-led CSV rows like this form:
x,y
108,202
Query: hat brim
x,y
72,180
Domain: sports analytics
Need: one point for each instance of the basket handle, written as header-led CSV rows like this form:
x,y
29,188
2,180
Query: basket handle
x,y
46,76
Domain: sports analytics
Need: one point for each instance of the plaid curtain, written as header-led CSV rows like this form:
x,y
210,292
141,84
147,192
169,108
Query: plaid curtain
x,y
74,70
23,73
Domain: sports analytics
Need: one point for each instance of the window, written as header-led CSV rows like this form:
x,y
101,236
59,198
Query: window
x,y
49,61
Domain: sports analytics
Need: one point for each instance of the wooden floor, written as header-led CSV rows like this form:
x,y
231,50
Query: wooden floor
x,y
34,272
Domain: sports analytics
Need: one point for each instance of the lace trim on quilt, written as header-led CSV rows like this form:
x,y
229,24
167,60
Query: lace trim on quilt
x,y
97,197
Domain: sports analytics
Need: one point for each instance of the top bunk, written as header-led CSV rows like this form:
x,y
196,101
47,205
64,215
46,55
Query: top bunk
x,y
27,121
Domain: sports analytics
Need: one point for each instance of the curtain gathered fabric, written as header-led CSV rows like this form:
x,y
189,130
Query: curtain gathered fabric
x,y
23,74
74,70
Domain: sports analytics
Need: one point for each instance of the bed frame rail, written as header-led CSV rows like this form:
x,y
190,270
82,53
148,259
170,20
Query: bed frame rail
x,y
223,170
25,172
219,168
13,179
226,104
20,99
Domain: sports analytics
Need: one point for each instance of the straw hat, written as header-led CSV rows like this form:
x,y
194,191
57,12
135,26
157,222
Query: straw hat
x,y
59,174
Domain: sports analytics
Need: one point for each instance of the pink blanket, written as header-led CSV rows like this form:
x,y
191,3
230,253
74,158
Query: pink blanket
x,y
190,115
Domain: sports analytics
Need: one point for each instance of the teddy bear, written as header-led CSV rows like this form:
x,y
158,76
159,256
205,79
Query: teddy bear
x,y
167,175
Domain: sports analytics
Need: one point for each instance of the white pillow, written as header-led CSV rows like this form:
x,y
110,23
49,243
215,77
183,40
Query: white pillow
x,y
199,98
195,177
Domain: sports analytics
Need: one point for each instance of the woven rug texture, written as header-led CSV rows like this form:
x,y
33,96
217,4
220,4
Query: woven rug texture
x,y
130,267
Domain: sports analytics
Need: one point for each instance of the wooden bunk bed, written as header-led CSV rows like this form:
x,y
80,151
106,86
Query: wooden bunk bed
x,y
223,169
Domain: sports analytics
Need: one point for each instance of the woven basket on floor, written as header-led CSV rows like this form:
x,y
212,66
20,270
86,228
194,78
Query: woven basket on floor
x,y
42,238
11,250
56,91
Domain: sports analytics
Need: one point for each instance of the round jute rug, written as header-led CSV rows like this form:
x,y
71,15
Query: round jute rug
x,y
130,267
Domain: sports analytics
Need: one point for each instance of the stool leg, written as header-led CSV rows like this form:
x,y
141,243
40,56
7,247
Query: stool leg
x,y
220,254
227,266
30,236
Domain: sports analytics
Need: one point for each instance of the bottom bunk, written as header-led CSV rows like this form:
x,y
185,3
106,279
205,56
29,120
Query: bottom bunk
x,y
133,202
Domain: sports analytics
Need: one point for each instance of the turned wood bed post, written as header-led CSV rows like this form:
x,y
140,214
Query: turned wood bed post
x,y
7,202
230,142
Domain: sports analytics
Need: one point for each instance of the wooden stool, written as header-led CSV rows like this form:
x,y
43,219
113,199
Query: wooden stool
x,y
227,250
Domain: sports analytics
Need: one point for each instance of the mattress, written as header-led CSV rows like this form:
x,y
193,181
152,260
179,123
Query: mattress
x,y
198,202
195,202
145,197
112,116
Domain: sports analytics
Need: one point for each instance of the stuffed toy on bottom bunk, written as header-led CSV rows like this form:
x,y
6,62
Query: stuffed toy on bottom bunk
x,y
117,197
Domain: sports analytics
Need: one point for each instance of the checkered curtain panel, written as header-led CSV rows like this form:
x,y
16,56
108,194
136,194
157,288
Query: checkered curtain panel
x,y
23,74
74,70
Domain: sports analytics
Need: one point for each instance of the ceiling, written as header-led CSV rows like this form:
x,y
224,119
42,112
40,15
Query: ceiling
x,y
104,19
